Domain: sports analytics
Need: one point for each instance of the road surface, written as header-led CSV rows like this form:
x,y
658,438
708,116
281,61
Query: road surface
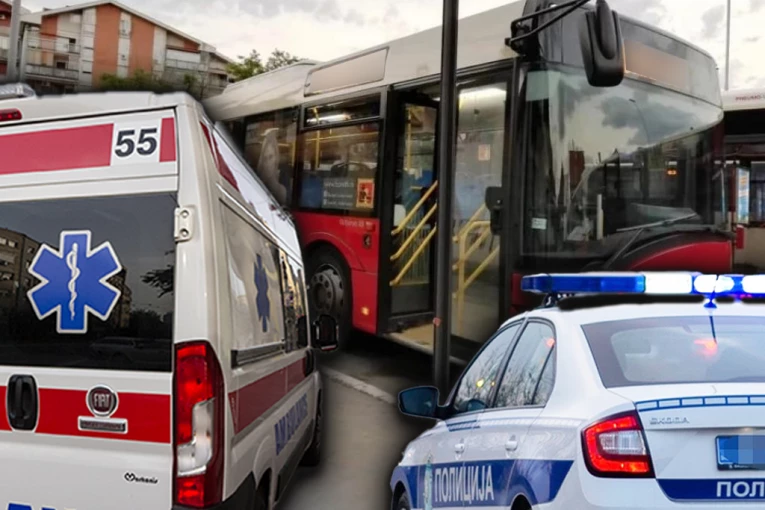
x,y
364,434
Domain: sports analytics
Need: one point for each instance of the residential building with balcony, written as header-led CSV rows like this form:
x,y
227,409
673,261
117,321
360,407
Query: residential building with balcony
x,y
6,9
72,48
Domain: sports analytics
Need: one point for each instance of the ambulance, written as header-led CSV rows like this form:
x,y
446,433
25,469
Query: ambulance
x,y
155,345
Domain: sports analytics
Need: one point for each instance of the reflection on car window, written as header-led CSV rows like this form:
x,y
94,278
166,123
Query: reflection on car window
x,y
482,376
677,350
528,362
135,333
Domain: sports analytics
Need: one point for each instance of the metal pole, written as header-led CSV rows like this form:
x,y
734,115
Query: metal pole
x,y
727,50
13,44
446,155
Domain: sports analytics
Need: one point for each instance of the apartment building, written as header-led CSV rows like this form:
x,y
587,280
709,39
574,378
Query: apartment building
x,y
6,8
73,47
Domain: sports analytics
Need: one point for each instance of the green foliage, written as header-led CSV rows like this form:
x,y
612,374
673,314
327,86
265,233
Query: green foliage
x,y
147,82
253,65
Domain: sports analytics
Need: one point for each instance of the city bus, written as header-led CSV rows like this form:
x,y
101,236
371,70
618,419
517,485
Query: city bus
x,y
745,158
552,174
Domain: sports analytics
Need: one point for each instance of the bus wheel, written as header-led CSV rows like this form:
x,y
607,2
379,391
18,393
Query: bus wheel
x,y
330,290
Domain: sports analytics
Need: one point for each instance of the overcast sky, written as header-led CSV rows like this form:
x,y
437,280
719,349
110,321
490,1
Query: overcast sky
x,y
323,29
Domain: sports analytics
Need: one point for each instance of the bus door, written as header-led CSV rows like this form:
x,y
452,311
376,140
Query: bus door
x,y
412,213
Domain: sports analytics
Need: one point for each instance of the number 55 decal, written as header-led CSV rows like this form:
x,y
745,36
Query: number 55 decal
x,y
126,144
136,142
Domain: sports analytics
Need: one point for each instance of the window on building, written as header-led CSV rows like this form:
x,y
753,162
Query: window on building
x,y
3,241
12,244
270,149
339,161
528,380
479,380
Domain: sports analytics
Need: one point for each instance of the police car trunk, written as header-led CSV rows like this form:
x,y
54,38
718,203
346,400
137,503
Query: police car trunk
x,y
88,192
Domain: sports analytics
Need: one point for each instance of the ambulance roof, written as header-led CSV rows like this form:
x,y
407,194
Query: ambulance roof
x,y
86,104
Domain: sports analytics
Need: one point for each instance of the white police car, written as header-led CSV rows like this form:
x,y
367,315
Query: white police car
x,y
653,398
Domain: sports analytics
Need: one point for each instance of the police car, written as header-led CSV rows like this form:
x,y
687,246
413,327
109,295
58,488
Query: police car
x,y
155,347
624,391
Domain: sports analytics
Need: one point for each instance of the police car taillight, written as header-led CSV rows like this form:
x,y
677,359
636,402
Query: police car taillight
x,y
8,115
199,426
616,447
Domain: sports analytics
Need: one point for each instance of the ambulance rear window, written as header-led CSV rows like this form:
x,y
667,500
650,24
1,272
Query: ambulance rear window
x,y
678,350
88,283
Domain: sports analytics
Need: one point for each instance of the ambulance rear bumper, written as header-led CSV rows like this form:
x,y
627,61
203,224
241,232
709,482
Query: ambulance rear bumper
x,y
242,499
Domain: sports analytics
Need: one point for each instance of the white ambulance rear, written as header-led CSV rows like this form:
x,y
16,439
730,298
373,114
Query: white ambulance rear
x,y
154,348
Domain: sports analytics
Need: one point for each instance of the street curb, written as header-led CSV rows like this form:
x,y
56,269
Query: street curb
x,y
359,385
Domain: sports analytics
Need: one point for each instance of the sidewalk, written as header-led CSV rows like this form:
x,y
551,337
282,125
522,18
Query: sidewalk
x,y
364,438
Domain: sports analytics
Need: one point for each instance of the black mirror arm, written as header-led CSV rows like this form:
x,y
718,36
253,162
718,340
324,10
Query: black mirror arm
x,y
518,24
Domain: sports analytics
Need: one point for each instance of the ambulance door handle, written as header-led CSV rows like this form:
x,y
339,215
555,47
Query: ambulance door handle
x,y
512,444
459,448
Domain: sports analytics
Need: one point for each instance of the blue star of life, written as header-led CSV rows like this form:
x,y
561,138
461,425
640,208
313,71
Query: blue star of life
x,y
73,281
261,301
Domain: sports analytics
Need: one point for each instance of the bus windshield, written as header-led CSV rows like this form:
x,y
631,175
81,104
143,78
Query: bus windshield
x,y
607,162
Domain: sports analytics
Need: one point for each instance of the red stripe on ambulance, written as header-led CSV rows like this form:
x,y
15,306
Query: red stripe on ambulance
x,y
57,149
252,401
148,416
73,148
167,150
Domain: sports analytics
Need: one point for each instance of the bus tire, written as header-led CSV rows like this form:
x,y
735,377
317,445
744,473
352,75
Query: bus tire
x,y
330,289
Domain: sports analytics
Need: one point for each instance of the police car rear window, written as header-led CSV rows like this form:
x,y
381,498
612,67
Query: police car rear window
x,y
676,350
88,282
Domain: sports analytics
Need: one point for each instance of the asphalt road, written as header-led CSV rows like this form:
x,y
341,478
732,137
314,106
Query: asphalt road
x,y
364,439
364,435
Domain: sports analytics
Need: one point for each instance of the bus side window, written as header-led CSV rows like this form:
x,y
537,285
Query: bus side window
x,y
269,148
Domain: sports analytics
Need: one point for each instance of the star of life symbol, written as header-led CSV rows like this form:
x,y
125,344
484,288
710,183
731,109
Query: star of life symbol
x,y
73,281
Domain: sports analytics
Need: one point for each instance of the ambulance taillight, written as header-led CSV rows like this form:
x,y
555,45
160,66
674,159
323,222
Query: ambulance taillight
x,y
199,426
8,115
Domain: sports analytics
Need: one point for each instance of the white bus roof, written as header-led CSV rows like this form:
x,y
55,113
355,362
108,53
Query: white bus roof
x,y
481,41
744,99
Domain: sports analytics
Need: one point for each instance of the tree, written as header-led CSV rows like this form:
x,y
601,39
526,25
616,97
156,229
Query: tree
x,y
140,80
252,65
279,59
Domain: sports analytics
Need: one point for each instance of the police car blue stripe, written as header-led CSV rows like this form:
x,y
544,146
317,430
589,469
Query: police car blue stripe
x,y
714,489
691,402
484,483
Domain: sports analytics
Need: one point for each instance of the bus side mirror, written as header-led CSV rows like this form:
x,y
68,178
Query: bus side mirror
x,y
600,37
494,203
326,333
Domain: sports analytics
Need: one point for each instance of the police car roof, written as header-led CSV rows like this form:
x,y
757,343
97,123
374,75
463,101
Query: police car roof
x,y
87,104
590,315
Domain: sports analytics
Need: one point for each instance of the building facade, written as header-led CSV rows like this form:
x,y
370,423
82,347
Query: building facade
x,y
75,47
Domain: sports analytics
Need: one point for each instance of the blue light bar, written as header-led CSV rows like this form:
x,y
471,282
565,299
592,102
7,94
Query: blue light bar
x,y
709,285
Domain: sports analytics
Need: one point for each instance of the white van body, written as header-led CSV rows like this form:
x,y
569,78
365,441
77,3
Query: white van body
x,y
153,347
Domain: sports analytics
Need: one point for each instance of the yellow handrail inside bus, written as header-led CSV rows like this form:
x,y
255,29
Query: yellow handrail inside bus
x,y
420,249
396,231
414,233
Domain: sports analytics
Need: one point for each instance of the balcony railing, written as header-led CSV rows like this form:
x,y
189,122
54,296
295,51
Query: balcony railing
x,y
48,72
184,65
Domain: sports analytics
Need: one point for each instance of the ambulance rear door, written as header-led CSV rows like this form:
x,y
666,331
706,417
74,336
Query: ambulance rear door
x,y
87,302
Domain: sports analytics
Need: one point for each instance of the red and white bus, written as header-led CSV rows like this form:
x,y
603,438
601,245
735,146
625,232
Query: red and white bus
x,y
745,155
624,177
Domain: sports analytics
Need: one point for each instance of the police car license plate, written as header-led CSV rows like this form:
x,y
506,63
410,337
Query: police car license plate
x,y
740,452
